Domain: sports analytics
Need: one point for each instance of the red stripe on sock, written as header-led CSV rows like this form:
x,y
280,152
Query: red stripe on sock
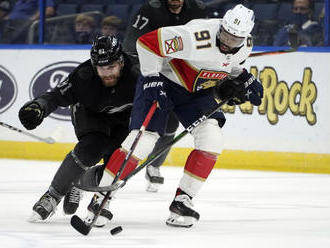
x,y
116,161
200,163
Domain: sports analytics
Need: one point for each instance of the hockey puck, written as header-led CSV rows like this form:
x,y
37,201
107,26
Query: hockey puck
x,y
116,230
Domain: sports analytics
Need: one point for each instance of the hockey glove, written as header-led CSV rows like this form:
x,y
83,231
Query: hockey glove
x,y
31,115
154,89
254,89
230,89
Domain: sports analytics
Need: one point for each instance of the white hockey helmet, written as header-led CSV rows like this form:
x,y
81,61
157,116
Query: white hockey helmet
x,y
236,25
238,21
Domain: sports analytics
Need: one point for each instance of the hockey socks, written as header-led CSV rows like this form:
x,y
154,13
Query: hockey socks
x,y
114,164
197,168
111,169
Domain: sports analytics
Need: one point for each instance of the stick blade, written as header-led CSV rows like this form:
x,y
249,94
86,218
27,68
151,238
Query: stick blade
x,y
80,225
91,188
49,140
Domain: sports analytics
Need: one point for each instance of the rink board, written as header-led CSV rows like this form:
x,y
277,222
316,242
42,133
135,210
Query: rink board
x,y
289,131
229,159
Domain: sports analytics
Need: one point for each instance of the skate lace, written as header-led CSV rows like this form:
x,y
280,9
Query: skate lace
x,y
185,200
75,195
49,203
153,171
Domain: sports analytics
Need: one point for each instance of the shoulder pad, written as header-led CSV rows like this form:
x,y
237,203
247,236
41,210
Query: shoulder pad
x,y
85,72
155,3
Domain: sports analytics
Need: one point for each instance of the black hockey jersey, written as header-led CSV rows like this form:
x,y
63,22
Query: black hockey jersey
x,y
83,90
155,14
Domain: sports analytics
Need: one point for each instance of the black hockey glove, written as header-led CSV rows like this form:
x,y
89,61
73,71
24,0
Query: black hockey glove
x,y
254,89
230,89
154,89
31,115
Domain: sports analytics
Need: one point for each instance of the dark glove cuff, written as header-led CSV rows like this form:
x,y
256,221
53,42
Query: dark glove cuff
x,y
42,102
246,77
43,106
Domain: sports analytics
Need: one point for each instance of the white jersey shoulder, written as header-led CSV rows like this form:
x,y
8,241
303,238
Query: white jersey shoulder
x,y
196,40
189,56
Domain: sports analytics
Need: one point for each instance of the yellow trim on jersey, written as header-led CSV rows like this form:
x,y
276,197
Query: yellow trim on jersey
x,y
145,47
159,37
177,73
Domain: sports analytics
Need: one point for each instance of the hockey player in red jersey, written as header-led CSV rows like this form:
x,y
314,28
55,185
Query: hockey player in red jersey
x,y
181,66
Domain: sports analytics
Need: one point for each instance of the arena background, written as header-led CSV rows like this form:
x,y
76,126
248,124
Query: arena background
x,y
289,132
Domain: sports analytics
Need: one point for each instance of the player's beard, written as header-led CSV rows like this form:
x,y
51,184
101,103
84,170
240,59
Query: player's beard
x,y
175,4
224,48
110,81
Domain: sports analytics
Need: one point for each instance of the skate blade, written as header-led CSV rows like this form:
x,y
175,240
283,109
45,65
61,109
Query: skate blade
x,y
180,221
34,218
152,187
99,223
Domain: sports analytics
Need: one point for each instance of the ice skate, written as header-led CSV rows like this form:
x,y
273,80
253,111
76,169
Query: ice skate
x,y
44,208
105,215
154,179
182,214
71,200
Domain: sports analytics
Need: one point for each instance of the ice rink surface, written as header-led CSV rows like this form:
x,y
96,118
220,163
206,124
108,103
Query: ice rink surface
x,y
238,209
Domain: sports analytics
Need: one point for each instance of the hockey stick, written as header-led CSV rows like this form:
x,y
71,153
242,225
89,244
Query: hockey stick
x,y
48,140
153,157
76,222
290,50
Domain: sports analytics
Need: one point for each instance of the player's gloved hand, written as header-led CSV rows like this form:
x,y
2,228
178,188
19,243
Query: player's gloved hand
x,y
154,89
235,101
254,89
230,89
31,115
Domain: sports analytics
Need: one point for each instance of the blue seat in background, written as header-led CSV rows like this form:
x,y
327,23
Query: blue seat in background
x,y
79,2
317,10
134,8
119,10
228,6
66,9
129,2
284,12
265,11
223,8
91,7
103,2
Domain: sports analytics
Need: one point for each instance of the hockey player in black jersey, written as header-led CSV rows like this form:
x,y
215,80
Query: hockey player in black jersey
x,y
155,14
100,92
152,15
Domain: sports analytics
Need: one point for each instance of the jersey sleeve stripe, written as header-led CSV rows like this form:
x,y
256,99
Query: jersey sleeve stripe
x,y
152,42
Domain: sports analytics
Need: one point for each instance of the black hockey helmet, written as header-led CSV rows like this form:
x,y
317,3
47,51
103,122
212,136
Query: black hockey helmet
x,y
106,50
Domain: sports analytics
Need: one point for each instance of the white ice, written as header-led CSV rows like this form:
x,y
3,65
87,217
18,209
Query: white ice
x,y
238,209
